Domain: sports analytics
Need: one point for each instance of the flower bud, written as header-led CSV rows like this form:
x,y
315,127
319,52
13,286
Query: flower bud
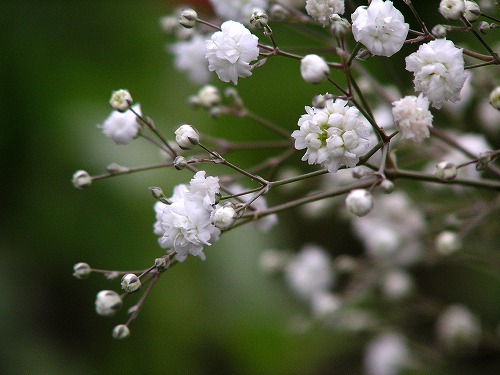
x,y
447,242
81,180
359,202
387,186
186,137
81,270
131,283
259,19
339,26
439,31
114,168
180,162
363,54
319,101
107,303
224,217
446,170
162,264
472,11
121,332
495,98
484,27
396,285
361,171
121,100
452,9
314,69
188,18
209,96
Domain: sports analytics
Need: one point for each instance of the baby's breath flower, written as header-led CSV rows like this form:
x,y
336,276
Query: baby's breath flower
x,y
81,179
224,217
452,9
387,354
107,303
447,242
446,170
188,18
321,10
314,69
121,100
189,57
186,137
458,329
122,127
412,117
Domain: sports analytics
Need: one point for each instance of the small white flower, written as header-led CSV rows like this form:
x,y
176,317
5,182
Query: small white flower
x,y
380,27
332,136
412,117
386,355
458,329
314,69
186,137
438,67
107,302
224,217
359,202
321,10
122,127
230,51
237,10
189,57
207,97
397,284
120,100
472,10
447,242
452,9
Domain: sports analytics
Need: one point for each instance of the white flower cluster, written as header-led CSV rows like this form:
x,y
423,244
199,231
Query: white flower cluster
x,y
230,51
237,10
438,67
321,10
380,27
185,225
122,127
333,135
412,117
189,57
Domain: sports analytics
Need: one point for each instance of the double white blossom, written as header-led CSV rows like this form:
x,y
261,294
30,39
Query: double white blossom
x,y
333,135
189,57
237,10
438,67
230,51
122,127
380,27
412,117
185,225
321,10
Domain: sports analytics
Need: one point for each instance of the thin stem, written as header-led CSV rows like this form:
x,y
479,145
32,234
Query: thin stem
x,y
481,40
139,304
132,170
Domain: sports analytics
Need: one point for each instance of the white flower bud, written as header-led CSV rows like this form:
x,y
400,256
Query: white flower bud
x,y
107,303
452,9
162,264
339,26
81,270
208,96
121,100
224,217
319,101
472,11
81,180
484,27
186,137
114,168
396,285
188,18
447,242
446,170
359,202
121,332
259,19
458,329
495,98
314,69
387,186
439,31
130,282
361,171
180,162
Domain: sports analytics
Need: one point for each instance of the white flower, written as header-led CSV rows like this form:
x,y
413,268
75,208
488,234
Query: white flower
x,y
122,127
333,135
438,67
396,284
386,355
310,272
203,189
186,137
224,217
120,100
321,10
380,27
107,302
447,242
452,9
189,57
314,69
412,117
472,11
230,51
237,10
359,202
458,329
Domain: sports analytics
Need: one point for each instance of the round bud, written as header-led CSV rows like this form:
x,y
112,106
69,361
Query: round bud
x,y
157,192
439,31
363,54
180,162
131,283
107,303
387,186
259,19
208,96
495,98
472,11
186,137
396,285
162,264
452,9
81,180
121,332
224,217
446,170
121,100
359,202
339,26
360,172
447,242
314,69
81,270
484,27
188,18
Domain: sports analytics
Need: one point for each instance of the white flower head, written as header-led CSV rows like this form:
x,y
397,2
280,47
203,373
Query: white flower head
x,y
452,9
321,10
380,27
438,67
412,117
386,355
230,51
189,57
332,136
237,10
314,69
122,127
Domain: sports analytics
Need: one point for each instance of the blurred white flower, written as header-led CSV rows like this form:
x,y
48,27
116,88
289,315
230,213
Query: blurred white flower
x,y
189,57
321,10
386,355
458,329
122,127
237,10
